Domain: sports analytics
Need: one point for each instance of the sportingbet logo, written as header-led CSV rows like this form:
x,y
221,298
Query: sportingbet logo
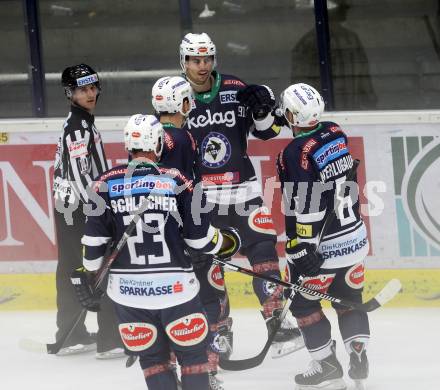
x,y
218,118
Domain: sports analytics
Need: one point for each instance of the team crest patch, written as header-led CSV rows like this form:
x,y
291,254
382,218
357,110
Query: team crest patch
x,y
269,288
261,221
355,276
188,330
138,336
216,150
215,277
319,283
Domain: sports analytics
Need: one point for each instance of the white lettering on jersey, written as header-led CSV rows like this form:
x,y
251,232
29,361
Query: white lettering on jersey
x,y
130,204
228,97
218,118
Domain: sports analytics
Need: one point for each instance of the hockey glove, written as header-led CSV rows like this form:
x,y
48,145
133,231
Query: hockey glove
x,y
303,259
82,282
259,98
231,244
198,258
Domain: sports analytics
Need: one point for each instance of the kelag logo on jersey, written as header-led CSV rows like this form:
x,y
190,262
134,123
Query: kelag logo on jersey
x,y
226,118
141,185
330,152
216,150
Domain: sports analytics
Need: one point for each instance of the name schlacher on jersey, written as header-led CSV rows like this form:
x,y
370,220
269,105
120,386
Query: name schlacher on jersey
x,y
150,202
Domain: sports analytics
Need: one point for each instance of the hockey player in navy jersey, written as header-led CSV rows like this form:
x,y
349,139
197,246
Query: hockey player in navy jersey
x,y
172,101
171,98
312,169
225,112
151,281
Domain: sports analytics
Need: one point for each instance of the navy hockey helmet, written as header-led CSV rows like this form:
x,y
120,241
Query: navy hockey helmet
x,y
78,76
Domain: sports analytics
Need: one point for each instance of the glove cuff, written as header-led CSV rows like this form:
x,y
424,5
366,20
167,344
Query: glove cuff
x,y
264,123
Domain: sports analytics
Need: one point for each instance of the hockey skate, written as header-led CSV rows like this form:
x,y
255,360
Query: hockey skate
x,y
215,383
288,338
225,341
358,368
86,344
325,374
114,353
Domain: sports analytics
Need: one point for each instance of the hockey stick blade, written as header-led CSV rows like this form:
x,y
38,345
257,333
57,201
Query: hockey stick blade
x,y
8,298
51,348
54,348
431,297
131,360
32,346
246,364
383,296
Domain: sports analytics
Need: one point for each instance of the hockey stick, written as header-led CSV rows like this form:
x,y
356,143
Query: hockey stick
x,y
386,294
244,364
380,299
54,348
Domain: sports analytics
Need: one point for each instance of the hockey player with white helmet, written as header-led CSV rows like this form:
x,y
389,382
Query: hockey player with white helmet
x,y
225,112
172,98
151,281
317,160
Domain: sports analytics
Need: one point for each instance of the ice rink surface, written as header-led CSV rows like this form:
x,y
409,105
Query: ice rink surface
x,y
404,354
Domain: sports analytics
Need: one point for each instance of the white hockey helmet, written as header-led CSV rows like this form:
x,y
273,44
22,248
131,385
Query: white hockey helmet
x,y
169,93
304,102
196,45
144,132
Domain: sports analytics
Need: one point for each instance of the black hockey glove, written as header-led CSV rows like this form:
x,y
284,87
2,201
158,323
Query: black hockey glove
x,y
198,259
303,259
259,98
82,282
231,244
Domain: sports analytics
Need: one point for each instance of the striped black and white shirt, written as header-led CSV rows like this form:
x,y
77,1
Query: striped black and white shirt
x,y
80,157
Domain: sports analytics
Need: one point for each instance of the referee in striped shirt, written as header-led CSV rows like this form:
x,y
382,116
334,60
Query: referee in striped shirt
x,y
79,159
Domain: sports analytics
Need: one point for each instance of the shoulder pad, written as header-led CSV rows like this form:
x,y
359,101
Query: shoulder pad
x,y
178,176
232,81
306,149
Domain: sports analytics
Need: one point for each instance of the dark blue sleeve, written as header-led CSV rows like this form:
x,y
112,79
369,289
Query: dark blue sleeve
x,y
305,197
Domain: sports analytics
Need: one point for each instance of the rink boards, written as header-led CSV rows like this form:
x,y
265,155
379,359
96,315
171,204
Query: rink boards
x,y
398,184
421,288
